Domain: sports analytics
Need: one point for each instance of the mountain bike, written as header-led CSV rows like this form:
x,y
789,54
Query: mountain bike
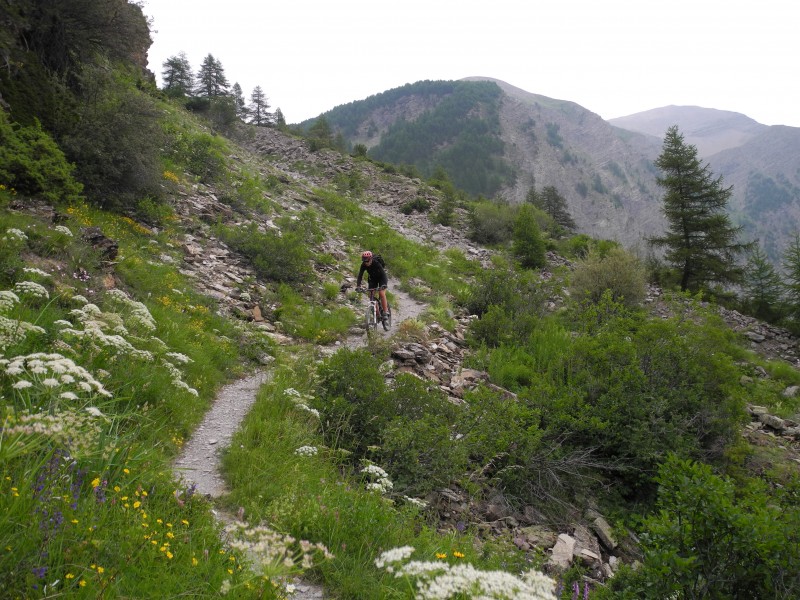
x,y
374,313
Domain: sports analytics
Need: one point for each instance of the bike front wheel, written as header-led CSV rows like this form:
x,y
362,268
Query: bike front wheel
x,y
369,319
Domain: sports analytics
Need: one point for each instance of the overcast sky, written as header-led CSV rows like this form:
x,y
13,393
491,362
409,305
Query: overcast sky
x,y
613,57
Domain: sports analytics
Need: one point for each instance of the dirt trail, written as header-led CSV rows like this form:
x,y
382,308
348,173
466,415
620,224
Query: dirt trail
x,y
199,461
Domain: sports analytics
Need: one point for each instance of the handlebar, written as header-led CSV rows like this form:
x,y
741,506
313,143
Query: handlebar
x,y
364,290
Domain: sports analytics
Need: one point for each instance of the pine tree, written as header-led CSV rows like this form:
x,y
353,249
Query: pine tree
x,y
528,245
211,81
259,107
791,267
238,102
280,120
177,76
762,287
555,205
701,243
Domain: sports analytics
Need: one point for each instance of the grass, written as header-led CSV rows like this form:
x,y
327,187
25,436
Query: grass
x,y
89,507
316,498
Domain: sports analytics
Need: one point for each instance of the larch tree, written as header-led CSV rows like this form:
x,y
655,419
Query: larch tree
x,y
259,108
555,205
700,243
527,242
762,287
211,80
238,101
177,76
791,267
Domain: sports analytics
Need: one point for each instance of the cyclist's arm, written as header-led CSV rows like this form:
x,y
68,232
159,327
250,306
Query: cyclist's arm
x,y
360,274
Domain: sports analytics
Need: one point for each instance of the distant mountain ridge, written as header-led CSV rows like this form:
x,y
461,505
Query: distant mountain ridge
x,y
709,129
603,168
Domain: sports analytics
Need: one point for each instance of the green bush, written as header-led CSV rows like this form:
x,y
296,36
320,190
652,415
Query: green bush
x,y
281,258
417,204
349,392
708,540
421,455
617,271
31,163
636,389
491,222
494,425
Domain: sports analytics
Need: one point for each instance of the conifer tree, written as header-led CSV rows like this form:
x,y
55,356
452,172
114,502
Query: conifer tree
x,y
791,267
211,80
762,286
177,76
259,107
700,242
238,102
280,120
555,205
528,245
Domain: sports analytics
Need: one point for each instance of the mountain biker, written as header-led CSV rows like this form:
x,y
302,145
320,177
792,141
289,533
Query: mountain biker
x,y
376,276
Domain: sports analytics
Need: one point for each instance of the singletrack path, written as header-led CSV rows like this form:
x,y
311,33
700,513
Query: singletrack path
x,y
199,461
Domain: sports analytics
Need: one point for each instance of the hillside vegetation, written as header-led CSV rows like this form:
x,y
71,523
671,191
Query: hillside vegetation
x,y
538,432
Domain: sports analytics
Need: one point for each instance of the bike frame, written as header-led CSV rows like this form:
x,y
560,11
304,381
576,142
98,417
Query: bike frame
x,y
375,311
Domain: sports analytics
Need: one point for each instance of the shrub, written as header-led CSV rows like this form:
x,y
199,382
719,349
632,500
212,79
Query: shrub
x,y
420,454
281,258
417,204
637,389
709,541
350,386
491,222
617,271
33,164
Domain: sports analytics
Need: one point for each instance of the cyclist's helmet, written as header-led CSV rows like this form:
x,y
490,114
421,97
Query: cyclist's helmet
x,y
366,256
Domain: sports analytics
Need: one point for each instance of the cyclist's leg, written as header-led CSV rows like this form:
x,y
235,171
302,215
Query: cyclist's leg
x,y
384,301
383,285
372,297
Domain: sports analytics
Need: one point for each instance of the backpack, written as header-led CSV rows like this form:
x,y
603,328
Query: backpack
x,y
379,259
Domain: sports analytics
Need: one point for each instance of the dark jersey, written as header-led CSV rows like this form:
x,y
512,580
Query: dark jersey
x,y
376,274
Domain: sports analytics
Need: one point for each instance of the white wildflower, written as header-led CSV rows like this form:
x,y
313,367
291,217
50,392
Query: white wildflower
x,y
394,555
14,234
35,271
31,289
416,502
22,384
179,358
63,229
50,382
375,470
68,396
7,300
306,451
94,411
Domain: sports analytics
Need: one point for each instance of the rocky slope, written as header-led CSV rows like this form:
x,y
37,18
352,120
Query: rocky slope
x,y
434,354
